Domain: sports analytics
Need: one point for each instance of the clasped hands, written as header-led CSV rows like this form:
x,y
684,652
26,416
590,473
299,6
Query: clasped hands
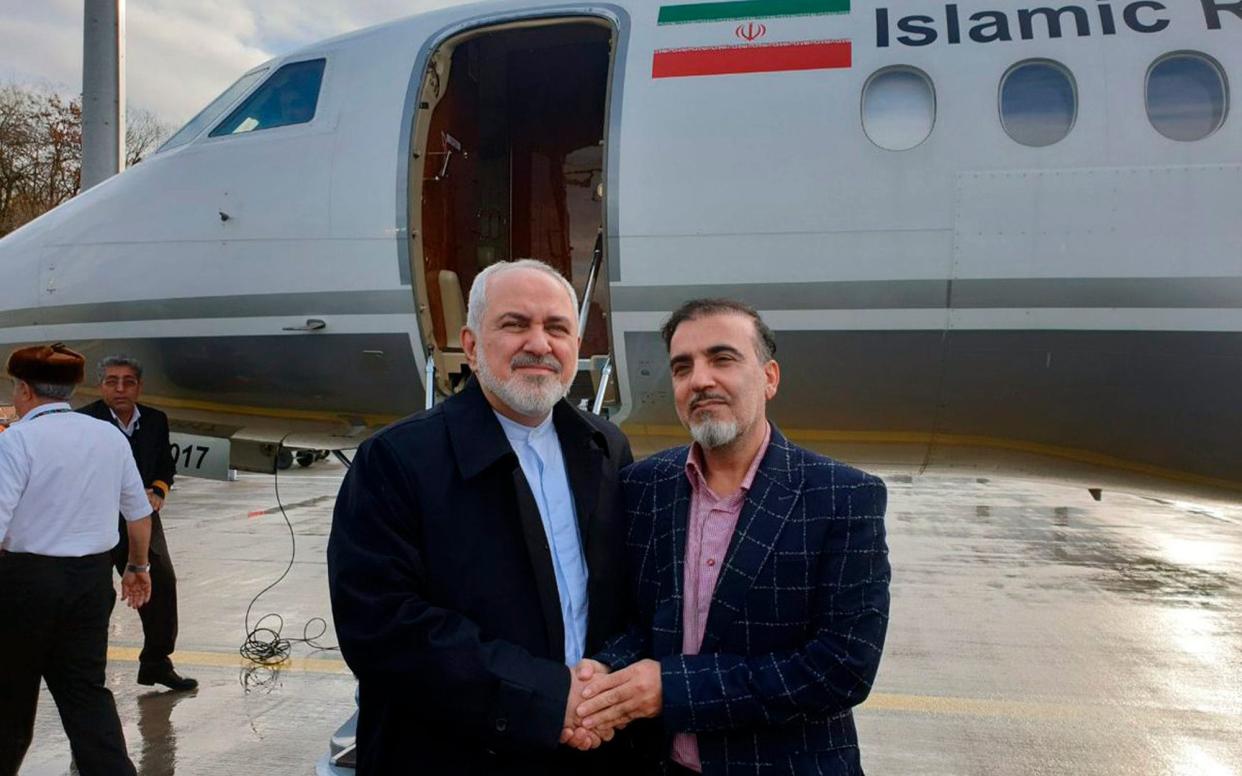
x,y
602,702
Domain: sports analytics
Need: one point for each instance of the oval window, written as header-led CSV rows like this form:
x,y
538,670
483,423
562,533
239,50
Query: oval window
x,y
1186,97
1038,103
898,108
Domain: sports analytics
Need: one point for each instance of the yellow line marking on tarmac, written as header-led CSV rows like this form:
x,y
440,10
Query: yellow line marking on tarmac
x,y
892,702
973,707
233,660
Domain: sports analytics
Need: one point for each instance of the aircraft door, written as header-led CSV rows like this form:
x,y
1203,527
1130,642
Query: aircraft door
x,y
450,202
511,142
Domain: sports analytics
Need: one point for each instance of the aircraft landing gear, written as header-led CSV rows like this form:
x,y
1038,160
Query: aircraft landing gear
x,y
304,458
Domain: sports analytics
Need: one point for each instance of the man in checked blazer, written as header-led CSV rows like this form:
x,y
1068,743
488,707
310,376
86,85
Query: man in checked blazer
x,y
760,572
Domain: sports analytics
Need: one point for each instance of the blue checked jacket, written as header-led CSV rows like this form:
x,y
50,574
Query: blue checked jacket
x,y
797,621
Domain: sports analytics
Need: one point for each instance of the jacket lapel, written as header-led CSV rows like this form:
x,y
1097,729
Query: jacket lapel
x,y
584,449
479,443
541,563
672,508
771,498
584,460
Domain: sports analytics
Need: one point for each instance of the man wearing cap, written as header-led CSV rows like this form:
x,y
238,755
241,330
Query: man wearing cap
x,y
63,479
120,385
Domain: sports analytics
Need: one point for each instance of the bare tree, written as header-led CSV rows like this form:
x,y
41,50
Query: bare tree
x,y
58,135
144,132
40,153
14,140
41,150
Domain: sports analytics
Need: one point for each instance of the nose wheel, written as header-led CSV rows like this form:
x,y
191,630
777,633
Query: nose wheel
x,y
304,458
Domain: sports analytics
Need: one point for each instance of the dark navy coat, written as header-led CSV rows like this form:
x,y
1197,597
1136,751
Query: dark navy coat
x,y
445,599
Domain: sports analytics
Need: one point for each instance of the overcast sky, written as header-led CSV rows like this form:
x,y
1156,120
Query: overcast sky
x,y
180,53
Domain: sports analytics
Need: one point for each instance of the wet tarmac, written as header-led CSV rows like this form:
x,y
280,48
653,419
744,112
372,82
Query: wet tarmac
x,y
1034,631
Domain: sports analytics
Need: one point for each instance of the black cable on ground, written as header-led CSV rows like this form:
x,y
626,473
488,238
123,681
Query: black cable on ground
x,y
264,644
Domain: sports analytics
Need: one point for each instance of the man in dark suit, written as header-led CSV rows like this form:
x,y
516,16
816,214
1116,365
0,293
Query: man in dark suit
x,y
473,556
760,570
120,386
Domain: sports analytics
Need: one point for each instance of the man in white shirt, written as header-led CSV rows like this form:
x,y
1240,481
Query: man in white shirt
x,y
63,479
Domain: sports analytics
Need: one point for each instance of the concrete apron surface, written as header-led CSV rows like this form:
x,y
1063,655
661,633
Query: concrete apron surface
x,y
1033,631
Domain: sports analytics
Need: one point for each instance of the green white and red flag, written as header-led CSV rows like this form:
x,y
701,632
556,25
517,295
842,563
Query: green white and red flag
x,y
751,36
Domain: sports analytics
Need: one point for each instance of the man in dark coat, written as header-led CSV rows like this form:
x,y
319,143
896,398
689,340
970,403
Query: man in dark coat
x,y
120,385
760,571
474,560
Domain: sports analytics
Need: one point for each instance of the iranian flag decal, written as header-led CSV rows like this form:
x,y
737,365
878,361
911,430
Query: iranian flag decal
x,y
753,30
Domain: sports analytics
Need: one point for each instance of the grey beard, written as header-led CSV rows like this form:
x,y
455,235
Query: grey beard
x,y
525,396
714,433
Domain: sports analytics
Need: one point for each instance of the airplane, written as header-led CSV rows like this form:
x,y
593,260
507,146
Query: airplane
x,y
993,236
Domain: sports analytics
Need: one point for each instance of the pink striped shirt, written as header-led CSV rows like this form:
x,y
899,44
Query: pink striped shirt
x,y
713,519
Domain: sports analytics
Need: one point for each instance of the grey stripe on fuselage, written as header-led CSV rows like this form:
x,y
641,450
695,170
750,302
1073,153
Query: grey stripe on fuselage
x,y
388,302
1024,293
1154,293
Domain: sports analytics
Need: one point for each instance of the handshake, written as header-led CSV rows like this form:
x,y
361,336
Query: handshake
x,y
601,702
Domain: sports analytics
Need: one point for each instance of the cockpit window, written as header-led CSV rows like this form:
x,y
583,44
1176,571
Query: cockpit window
x,y
209,114
290,96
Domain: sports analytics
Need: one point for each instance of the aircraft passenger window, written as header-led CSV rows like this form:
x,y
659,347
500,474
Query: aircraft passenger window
x,y
898,108
213,110
1038,103
1186,96
288,97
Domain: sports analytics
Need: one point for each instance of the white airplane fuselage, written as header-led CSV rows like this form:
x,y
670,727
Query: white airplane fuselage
x,y
1080,301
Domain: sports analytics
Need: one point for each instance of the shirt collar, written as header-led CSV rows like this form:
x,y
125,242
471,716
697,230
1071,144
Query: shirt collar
x,y
694,463
518,432
133,422
43,409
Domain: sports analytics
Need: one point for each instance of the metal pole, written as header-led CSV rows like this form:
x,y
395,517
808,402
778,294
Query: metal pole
x,y
429,380
597,258
103,90
604,377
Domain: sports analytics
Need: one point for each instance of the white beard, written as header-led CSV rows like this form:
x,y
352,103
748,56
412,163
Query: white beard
x,y
530,396
712,433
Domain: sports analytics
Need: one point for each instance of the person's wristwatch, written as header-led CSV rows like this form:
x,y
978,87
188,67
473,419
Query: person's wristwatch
x,y
138,568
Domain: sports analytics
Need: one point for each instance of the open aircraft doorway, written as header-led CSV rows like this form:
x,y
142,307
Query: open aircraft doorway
x,y
509,158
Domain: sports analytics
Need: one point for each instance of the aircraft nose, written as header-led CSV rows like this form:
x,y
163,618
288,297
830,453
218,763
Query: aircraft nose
x,y
25,281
